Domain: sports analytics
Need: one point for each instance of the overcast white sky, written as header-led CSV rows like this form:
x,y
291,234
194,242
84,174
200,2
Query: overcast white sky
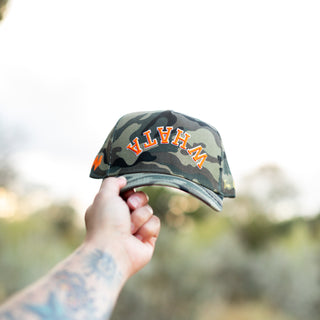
x,y
70,68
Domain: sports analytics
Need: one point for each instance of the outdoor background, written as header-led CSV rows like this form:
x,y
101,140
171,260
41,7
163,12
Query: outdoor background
x,y
69,69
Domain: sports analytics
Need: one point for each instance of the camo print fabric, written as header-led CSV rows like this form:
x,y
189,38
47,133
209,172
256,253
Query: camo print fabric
x,y
169,143
142,179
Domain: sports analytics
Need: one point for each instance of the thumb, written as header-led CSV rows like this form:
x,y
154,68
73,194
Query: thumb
x,y
111,186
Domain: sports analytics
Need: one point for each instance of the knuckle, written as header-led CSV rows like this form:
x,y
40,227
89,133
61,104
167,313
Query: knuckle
x,y
141,215
156,221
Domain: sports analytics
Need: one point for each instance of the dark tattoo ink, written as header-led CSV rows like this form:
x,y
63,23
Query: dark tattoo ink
x,y
6,315
73,287
52,309
102,266
73,295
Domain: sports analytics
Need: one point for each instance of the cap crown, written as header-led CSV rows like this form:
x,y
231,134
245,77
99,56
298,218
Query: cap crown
x,y
169,143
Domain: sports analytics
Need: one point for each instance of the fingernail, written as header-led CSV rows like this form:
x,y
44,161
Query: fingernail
x,y
149,208
123,180
132,227
134,202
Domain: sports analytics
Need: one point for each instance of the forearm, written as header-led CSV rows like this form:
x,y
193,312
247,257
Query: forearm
x,y
84,286
120,240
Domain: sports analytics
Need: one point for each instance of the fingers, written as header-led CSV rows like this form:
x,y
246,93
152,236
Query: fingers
x,y
149,231
139,217
144,225
111,186
136,200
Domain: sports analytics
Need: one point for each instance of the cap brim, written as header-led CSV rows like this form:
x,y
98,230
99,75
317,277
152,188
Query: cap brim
x,y
135,180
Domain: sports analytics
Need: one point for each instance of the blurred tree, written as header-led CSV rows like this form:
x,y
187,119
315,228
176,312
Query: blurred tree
x,y
314,226
272,188
7,173
207,265
251,222
60,220
266,195
176,208
3,5
51,233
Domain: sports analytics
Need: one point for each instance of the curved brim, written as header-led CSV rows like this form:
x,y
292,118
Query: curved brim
x,y
135,180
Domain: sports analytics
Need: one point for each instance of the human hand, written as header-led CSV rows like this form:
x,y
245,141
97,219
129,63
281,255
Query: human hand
x,y
124,226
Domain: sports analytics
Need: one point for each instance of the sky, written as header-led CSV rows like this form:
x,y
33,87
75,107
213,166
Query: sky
x,y
70,69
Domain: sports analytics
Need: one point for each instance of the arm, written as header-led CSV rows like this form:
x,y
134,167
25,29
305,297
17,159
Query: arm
x,y
120,240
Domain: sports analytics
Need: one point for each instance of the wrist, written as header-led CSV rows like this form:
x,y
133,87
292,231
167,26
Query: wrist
x,y
112,253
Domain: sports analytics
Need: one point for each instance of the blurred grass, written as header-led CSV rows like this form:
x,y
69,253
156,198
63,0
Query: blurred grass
x,y
238,264
249,310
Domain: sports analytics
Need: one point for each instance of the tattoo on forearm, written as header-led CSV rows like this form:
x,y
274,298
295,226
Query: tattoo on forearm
x,y
74,294
102,266
6,315
52,309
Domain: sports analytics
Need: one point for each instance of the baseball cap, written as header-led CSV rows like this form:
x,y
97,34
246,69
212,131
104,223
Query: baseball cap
x,y
167,148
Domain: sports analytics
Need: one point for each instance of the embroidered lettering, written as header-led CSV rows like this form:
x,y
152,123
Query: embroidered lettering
x,y
135,147
149,143
198,156
164,135
179,138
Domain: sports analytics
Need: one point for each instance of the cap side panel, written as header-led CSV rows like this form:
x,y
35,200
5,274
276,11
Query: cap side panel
x,y
104,163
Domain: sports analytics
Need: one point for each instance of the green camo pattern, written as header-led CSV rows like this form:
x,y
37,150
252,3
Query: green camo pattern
x,y
148,155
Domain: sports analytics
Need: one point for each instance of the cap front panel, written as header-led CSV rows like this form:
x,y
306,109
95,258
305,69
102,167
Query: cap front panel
x,y
168,143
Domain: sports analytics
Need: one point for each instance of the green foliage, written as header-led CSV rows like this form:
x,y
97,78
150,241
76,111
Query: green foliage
x,y
238,264
31,246
7,173
3,4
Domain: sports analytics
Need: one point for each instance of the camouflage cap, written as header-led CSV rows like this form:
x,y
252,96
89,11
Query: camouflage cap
x,y
169,149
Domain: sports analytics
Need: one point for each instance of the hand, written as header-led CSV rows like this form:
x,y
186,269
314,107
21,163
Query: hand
x,y
125,226
121,235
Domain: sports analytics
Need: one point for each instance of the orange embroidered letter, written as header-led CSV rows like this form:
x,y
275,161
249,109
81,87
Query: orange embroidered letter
x,y
96,162
198,156
150,143
178,137
136,147
164,134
